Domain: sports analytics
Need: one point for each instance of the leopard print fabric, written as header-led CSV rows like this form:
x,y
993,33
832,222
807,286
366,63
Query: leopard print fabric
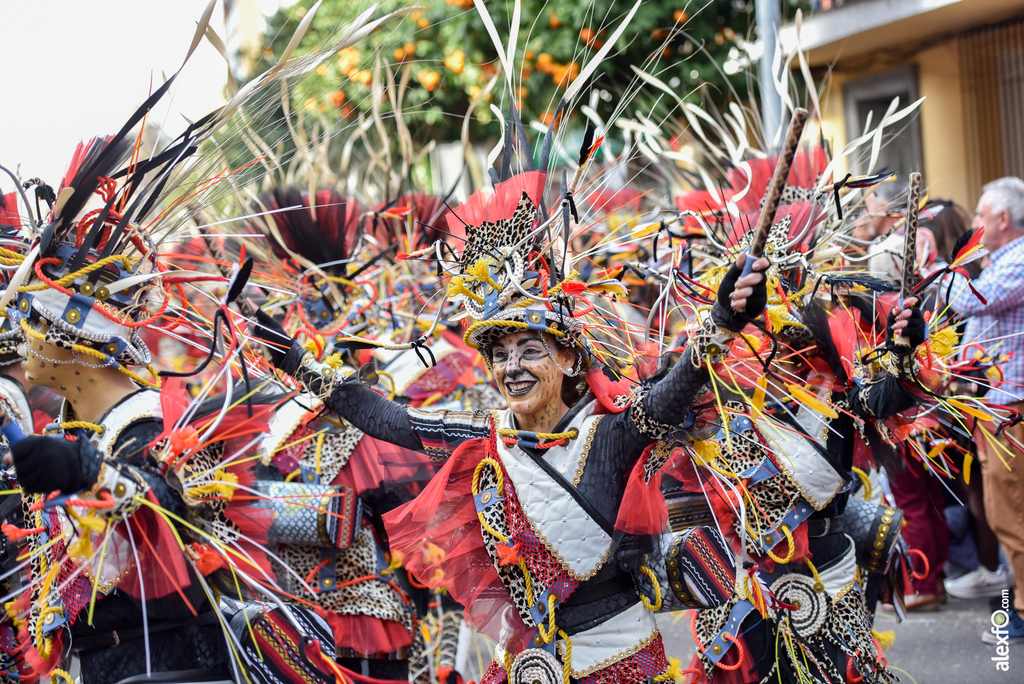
x,y
206,513
64,339
511,575
335,452
658,457
849,628
372,597
481,240
773,498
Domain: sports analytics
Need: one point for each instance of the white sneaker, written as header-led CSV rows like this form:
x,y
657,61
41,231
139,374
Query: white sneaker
x,y
980,583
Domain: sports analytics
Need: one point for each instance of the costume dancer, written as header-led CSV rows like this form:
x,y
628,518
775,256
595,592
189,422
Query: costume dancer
x,y
524,523
139,546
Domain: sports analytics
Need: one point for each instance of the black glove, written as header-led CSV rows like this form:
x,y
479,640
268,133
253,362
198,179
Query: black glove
x,y
277,341
915,331
45,464
722,312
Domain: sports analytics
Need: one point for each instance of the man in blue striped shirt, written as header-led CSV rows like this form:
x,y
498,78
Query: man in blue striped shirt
x,y
998,326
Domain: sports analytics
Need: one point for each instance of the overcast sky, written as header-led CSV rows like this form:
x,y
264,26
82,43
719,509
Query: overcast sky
x,y
73,69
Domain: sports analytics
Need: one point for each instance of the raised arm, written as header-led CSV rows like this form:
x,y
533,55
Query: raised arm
x,y
45,464
741,299
1001,286
436,432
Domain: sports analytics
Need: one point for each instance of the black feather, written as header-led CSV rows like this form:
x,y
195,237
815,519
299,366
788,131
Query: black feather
x,y
588,142
871,283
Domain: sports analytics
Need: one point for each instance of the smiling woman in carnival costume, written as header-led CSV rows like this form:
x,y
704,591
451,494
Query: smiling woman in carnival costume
x,y
526,523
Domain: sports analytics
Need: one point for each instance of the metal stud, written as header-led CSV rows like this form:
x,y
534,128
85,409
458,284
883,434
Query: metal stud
x,y
102,293
73,316
87,288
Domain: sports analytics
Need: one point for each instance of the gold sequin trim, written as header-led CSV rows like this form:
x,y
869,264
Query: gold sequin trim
x,y
557,556
586,451
607,662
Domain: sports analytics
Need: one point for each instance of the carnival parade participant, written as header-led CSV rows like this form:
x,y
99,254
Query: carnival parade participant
x,y
523,525
144,550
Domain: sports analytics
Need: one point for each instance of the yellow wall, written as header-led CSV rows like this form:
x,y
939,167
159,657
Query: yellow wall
x,y
941,118
942,124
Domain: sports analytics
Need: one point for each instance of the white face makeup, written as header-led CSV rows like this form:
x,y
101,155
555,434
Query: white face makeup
x,y
528,377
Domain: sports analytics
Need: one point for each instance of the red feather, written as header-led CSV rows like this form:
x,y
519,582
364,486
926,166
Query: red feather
x,y
966,242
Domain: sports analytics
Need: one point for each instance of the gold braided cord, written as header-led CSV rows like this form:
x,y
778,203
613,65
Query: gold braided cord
x,y
63,674
549,635
9,257
566,657
814,571
501,492
68,279
573,433
83,424
865,481
792,547
320,438
522,325
656,606
95,353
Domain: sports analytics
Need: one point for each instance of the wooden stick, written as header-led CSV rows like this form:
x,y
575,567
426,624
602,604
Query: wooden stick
x,y
909,276
778,185
910,237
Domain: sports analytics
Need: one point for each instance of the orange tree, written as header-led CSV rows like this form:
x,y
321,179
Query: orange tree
x,y
446,55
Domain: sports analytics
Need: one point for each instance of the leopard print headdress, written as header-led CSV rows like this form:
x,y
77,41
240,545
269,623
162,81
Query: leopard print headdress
x,y
507,282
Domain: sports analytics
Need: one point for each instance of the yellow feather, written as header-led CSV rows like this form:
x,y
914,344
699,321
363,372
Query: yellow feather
x,y
943,341
968,461
757,403
706,452
970,410
811,401
609,288
649,229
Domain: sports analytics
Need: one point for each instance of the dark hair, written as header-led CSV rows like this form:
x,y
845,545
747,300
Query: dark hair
x,y
951,221
573,389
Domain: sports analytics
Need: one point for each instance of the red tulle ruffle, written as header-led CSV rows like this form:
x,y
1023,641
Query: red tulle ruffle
x,y
438,537
643,510
162,568
364,634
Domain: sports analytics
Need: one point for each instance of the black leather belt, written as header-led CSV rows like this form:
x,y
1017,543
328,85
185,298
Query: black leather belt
x,y
91,642
602,590
821,527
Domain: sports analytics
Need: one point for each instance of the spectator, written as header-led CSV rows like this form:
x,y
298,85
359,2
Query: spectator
x,y
885,208
999,320
947,220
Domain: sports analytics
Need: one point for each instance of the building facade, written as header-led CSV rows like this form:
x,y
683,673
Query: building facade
x,y
965,57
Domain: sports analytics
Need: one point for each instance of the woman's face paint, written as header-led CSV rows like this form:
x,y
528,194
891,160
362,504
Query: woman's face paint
x,y
528,377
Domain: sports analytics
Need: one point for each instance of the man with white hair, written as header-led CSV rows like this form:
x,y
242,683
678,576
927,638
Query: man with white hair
x,y
996,323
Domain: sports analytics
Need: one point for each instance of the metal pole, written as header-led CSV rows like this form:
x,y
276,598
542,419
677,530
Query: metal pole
x,y
771,103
